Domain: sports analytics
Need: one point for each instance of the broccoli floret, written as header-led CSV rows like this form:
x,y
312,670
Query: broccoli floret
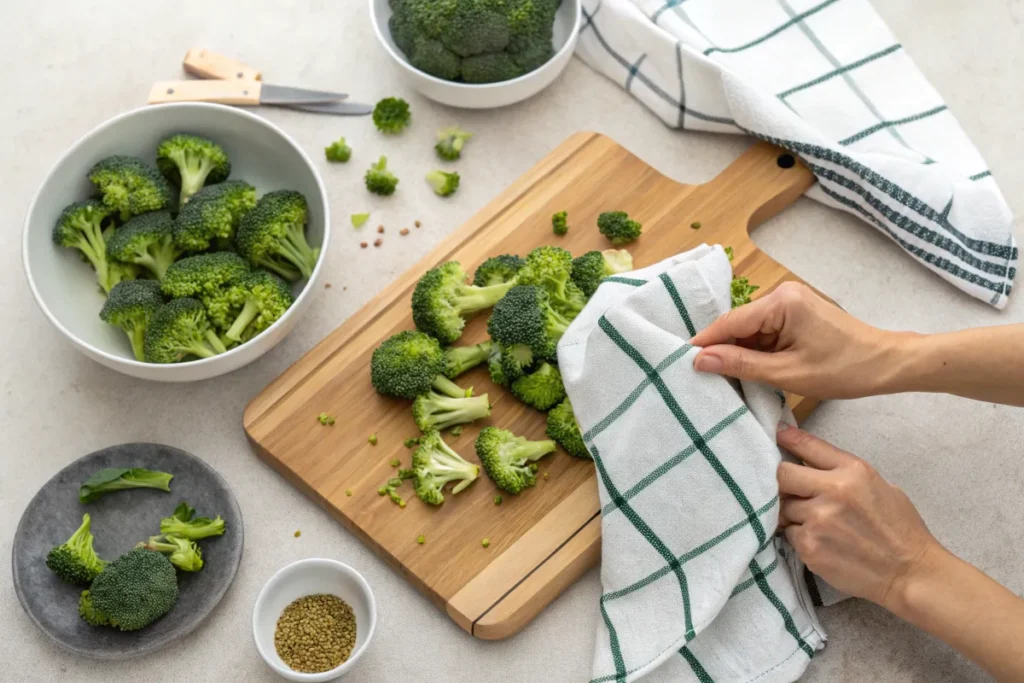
x,y
490,68
508,363
507,458
497,270
391,115
379,180
551,268
589,269
178,329
338,151
443,184
560,223
273,235
184,524
204,275
741,289
88,612
618,227
435,464
249,306
190,162
81,226
563,428
130,186
409,364
525,316
434,58
130,306
183,553
146,240
112,479
134,590
212,216
450,142
75,560
436,411
442,301
540,389
459,359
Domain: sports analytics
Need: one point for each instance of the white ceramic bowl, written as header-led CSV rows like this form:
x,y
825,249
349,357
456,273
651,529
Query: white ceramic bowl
x,y
65,287
310,577
484,95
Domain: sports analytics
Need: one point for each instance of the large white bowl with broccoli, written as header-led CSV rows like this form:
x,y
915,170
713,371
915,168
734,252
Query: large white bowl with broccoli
x,y
478,54
179,242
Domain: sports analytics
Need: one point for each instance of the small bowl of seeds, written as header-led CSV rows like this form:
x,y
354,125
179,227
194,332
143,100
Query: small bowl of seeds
x,y
313,620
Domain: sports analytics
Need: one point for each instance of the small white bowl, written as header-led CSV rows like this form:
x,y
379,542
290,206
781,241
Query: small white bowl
x,y
484,95
311,577
65,288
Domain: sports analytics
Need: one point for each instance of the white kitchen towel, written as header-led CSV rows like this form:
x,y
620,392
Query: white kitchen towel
x,y
827,81
692,575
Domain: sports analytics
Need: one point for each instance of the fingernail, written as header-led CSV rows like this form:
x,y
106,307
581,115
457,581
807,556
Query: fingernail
x,y
707,363
781,427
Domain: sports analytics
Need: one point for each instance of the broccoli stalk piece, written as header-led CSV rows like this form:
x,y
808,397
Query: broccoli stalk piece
x,y
497,270
183,553
391,115
450,142
212,216
442,301
80,226
273,235
379,180
130,306
525,316
184,524
130,186
190,162
459,359
179,329
443,183
88,612
338,151
508,363
75,560
560,223
252,305
435,464
540,389
434,411
113,479
146,240
133,591
411,363
563,428
589,269
551,268
618,227
508,458
740,291
359,219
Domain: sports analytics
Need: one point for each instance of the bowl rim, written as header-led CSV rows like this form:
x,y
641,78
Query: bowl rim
x,y
570,44
281,575
171,368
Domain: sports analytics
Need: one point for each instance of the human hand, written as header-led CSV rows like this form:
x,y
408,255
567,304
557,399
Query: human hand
x,y
795,340
849,526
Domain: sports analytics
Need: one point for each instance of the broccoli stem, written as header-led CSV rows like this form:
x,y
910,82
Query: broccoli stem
x,y
473,299
137,336
215,342
94,247
193,175
249,312
459,359
448,387
448,466
532,450
457,411
296,249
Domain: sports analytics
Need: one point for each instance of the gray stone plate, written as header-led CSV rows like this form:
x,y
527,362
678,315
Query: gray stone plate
x,y
119,521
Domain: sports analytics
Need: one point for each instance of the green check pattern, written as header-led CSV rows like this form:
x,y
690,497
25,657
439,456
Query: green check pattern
x,y
686,474
877,135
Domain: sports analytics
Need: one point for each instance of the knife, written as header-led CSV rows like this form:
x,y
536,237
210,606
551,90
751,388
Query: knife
x,y
241,92
336,108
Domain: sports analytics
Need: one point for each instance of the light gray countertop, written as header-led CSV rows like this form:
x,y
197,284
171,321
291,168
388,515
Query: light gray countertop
x,y
69,66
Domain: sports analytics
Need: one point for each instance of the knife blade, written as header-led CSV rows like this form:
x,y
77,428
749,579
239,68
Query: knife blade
x,y
335,108
240,92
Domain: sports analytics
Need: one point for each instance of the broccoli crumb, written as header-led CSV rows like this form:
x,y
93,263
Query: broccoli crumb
x,y
545,476
395,462
421,539
729,253
486,542
372,440
411,442
298,533
359,219
695,225
325,419
741,291
497,500
348,492
559,223
457,431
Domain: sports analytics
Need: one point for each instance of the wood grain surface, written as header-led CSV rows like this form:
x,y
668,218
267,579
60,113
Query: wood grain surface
x,y
546,537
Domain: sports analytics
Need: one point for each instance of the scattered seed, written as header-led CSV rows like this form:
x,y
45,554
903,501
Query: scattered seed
x,y
421,539
327,285
417,223
380,229
364,245
695,225
486,542
315,633
298,533
377,242
403,232
344,289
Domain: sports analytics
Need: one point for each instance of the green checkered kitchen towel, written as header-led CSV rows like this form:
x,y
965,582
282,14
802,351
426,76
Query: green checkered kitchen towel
x,y
826,80
694,581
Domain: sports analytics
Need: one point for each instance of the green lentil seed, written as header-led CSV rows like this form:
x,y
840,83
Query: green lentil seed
x,y
695,225
315,633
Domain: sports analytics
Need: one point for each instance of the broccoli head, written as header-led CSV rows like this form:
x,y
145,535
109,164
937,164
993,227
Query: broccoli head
x,y
450,142
146,240
525,316
497,270
178,329
507,458
212,215
540,389
437,411
560,223
204,274
442,301
459,359
134,590
391,115
618,227
184,524
81,226
435,464
551,268
338,151
563,428
443,184
75,560
183,553
589,269
410,363
130,306
130,186
250,305
379,180
740,291
508,363
273,235
88,612
190,162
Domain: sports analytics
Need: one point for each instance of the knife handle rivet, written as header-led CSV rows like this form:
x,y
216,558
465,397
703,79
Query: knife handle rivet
x,y
170,91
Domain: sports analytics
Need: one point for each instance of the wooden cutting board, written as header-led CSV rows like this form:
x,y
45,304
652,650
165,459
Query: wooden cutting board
x,y
546,537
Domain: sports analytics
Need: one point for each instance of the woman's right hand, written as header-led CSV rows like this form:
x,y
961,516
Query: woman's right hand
x,y
796,341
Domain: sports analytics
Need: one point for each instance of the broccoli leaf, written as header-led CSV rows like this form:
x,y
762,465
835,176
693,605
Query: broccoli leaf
x,y
119,478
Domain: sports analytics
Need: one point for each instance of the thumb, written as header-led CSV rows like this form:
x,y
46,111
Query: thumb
x,y
739,362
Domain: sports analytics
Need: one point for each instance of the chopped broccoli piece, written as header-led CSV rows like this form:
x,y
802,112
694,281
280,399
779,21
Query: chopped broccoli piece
x,y
498,500
485,542
541,389
729,253
442,301
459,359
146,240
379,180
498,270
338,151
348,492
411,442
204,275
551,268
411,363
390,489
450,142
443,183
359,219
508,363
434,411
88,612
395,462
589,269
273,235
372,439
81,226
391,115
248,306
563,428
134,590
695,225
183,553
119,478
190,162
507,458
325,419
457,431
130,306
178,329
560,223
740,290
184,524
75,560
435,464
525,316
421,539
130,186
212,216
618,227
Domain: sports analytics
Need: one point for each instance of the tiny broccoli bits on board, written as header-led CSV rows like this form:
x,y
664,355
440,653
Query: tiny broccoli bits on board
x,y
193,274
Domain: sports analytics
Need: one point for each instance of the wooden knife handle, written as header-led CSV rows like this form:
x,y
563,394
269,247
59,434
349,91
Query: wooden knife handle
x,y
208,64
245,93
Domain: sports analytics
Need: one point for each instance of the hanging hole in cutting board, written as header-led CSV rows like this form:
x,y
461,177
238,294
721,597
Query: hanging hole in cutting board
x,y
786,161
